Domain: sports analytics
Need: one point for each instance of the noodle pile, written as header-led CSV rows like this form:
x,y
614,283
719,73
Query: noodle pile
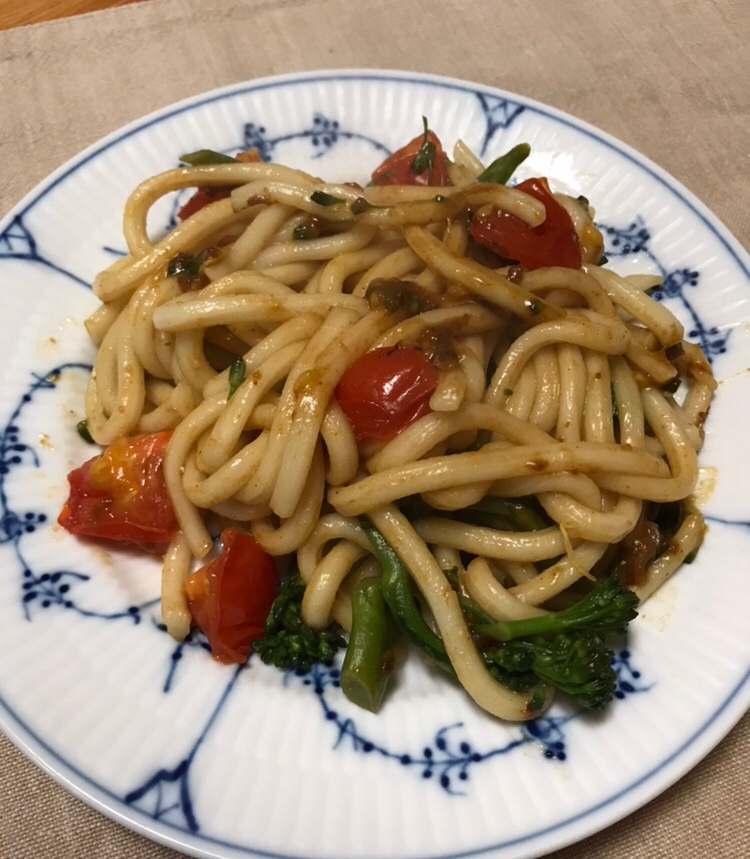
x,y
558,387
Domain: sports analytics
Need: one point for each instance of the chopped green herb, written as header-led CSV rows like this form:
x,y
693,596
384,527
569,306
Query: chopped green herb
x,y
207,156
392,295
534,306
584,201
305,232
186,267
603,260
83,431
323,199
236,374
672,385
502,168
508,392
425,157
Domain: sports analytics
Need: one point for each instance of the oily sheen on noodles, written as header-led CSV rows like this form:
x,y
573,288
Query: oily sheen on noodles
x,y
554,384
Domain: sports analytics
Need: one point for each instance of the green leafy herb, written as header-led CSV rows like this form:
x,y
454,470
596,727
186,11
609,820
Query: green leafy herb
x,y
502,168
236,374
534,306
83,431
392,295
207,156
186,267
425,157
323,199
305,232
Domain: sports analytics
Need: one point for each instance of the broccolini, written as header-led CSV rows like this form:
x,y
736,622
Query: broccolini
x,y
288,643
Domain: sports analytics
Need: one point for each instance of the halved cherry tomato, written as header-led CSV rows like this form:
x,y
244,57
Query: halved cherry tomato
x,y
207,194
121,494
398,169
553,242
202,197
386,390
230,597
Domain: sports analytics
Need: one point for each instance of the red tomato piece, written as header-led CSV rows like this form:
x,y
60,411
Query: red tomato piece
x,y
398,169
121,494
202,197
249,156
207,194
230,597
386,390
554,242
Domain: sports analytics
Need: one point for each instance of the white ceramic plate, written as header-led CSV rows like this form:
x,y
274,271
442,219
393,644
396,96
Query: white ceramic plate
x,y
225,763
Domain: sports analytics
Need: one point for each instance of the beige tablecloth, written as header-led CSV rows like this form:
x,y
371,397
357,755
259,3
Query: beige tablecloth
x,y
669,77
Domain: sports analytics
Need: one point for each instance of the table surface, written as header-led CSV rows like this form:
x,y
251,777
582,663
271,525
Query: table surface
x,y
14,13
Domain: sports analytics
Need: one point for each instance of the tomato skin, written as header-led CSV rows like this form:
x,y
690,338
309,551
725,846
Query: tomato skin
x,y
202,197
121,494
396,169
552,243
208,194
230,596
385,390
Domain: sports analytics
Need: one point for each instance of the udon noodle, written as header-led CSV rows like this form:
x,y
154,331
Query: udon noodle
x,y
559,386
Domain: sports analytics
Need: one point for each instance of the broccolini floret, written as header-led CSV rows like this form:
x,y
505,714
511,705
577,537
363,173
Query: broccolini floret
x,y
288,643
565,649
607,608
576,663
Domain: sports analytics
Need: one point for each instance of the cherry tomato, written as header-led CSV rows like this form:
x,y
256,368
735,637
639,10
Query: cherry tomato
x,y
205,195
202,197
230,597
399,168
386,390
121,494
553,242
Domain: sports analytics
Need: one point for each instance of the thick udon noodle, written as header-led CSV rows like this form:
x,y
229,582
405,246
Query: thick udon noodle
x,y
527,409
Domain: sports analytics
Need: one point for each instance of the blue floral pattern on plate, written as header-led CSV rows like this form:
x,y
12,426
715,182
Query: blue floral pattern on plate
x,y
448,757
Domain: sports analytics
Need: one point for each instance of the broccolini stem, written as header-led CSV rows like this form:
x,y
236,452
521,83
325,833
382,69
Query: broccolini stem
x,y
399,597
370,656
609,607
502,168
508,514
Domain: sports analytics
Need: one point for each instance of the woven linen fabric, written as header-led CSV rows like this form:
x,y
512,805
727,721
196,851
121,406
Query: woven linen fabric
x,y
668,77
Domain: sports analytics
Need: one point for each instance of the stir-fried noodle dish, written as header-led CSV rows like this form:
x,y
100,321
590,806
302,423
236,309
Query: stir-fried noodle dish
x,y
420,414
